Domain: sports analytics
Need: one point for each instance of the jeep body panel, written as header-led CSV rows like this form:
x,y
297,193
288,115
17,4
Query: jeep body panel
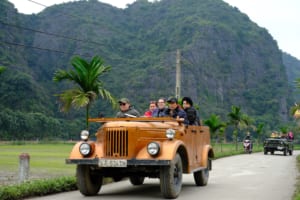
x,y
121,150
194,139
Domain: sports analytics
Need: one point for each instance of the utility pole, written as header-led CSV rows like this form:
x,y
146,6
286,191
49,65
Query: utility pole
x,y
178,75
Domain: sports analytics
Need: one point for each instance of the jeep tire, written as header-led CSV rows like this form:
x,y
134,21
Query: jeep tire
x,y
285,152
88,183
171,178
201,177
136,180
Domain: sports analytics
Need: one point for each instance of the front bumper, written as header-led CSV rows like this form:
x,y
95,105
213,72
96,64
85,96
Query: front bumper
x,y
274,148
132,162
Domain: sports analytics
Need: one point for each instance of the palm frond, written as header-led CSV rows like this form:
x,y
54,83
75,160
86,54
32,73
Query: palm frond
x,y
66,99
60,75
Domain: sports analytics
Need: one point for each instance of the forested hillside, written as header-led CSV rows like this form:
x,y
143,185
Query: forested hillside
x,y
226,60
292,65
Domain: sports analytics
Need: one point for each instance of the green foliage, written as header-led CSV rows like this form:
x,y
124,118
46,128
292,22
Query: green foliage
x,y
226,60
37,188
2,69
215,125
239,120
16,125
86,76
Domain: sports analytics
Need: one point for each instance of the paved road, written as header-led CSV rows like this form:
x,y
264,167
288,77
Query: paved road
x,y
247,177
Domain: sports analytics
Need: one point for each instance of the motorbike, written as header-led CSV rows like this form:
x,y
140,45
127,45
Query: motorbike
x,y
247,146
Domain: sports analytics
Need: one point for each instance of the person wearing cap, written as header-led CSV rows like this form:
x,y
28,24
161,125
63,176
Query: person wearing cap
x,y
161,109
126,110
175,111
191,112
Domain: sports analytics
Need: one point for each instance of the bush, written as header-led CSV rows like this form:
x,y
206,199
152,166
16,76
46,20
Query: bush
x,y
38,188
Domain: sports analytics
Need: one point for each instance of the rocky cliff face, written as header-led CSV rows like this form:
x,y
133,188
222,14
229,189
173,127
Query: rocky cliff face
x,y
225,58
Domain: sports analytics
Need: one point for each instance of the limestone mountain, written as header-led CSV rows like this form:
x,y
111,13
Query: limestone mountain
x,y
226,59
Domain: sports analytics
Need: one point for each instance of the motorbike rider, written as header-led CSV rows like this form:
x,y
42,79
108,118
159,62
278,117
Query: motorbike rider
x,y
248,137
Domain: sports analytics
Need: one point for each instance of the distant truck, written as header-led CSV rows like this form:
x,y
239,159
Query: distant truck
x,y
136,148
282,144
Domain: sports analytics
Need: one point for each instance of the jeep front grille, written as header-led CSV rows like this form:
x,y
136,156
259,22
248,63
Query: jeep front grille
x,y
116,142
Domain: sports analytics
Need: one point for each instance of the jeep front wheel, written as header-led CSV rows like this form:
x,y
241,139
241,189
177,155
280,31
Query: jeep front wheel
x,y
171,178
88,183
136,180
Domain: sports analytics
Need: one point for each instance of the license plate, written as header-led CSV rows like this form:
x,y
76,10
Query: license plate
x,y
279,148
112,163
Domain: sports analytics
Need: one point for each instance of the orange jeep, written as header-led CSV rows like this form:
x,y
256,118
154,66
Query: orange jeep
x,y
142,147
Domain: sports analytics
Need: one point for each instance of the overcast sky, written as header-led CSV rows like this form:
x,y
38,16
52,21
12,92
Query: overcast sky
x,y
280,17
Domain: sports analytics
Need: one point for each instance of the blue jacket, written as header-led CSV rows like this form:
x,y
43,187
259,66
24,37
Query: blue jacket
x,y
177,112
159,112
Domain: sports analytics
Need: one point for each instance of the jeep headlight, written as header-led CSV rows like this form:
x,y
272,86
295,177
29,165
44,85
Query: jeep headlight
x,y
84,135
85,149
153,148
170,133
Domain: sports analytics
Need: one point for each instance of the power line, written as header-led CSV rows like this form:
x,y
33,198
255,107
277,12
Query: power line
x,y
38,3
44,49
81,40
67,37
47,33
87,19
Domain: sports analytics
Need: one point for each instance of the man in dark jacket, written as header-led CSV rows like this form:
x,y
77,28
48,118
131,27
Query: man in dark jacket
x,y
175,111
160,111
191,112
126,110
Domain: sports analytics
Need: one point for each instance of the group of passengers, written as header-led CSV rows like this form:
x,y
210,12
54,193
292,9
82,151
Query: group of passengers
x,y
185,113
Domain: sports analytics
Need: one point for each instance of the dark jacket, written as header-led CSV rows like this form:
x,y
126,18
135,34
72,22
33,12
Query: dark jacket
x,y
177,112
192,116
130,111
159,112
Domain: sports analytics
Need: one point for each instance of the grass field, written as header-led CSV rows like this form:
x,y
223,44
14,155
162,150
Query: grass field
x,y
46,161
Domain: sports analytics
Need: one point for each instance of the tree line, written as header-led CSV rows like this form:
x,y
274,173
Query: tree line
x,y
85,76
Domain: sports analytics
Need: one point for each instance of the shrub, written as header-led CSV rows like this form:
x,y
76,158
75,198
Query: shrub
x,y
37,188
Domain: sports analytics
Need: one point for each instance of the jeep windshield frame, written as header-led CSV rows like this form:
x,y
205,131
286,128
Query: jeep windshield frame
x,y
136,119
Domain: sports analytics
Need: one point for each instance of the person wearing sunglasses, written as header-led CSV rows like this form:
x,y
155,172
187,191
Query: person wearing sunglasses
x,y
126,109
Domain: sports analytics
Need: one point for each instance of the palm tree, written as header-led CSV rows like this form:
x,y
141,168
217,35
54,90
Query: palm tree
x,y
86,76
259,131
216,127
238,120
214,123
